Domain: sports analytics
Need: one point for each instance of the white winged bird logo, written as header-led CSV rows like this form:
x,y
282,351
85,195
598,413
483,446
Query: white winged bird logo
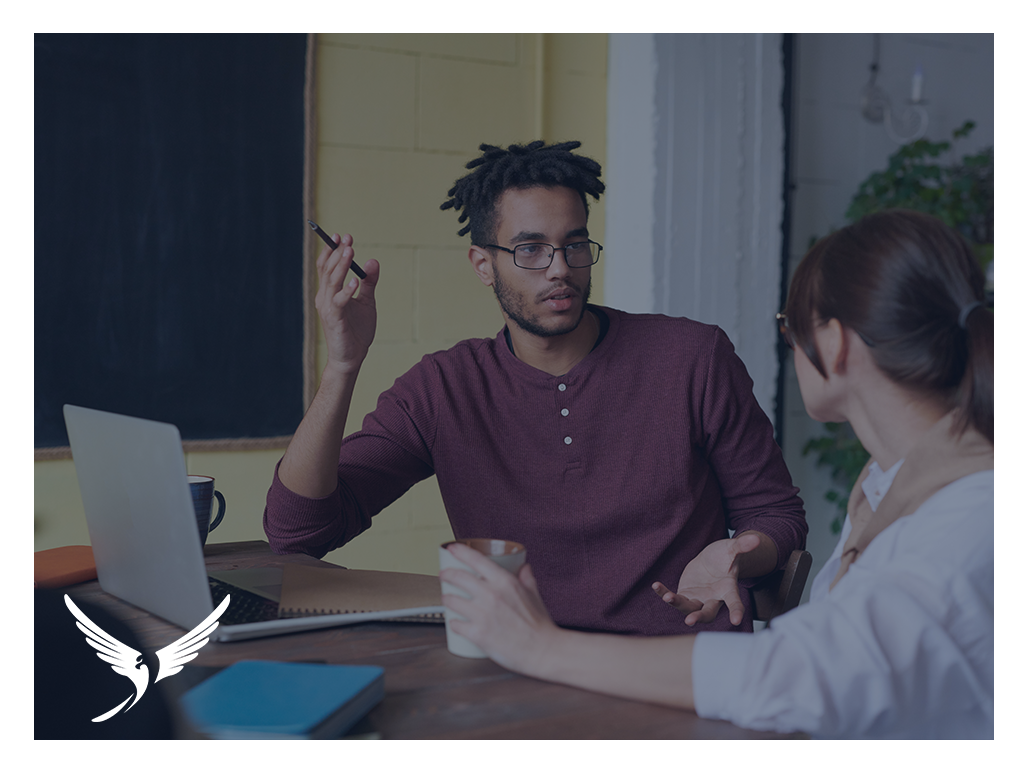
x,y
129,662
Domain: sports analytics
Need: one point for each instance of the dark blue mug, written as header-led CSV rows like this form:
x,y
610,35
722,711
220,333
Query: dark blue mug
x,y
202,488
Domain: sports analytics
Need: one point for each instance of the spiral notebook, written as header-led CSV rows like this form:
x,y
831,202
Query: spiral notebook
x,y
319,590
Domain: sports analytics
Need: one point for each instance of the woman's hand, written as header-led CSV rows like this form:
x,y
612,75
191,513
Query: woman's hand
x,y
504,615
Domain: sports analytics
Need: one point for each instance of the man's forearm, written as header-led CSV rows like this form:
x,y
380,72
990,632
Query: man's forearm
x,y
309,467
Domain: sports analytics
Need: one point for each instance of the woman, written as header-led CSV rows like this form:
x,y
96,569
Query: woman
x,y
890,333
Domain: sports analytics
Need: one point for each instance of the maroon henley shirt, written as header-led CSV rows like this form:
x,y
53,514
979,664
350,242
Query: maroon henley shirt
x,y
613,476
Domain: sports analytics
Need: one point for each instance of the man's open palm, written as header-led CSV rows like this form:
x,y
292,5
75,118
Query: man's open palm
x,y
709,581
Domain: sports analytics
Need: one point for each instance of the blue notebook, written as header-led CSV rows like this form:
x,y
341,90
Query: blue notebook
x,y
269,699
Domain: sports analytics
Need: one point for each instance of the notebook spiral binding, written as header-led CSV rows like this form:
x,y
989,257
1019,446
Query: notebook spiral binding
x,y
435,617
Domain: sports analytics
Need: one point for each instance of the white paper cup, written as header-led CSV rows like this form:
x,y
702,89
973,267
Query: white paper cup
x,y
507,555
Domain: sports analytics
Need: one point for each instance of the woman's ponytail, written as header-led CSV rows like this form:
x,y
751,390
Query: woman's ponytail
x,y
976,400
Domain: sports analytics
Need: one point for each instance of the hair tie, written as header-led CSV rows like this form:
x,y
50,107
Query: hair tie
x,y
966,311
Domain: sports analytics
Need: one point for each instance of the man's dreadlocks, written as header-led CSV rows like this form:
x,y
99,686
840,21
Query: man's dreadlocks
x,y
520,166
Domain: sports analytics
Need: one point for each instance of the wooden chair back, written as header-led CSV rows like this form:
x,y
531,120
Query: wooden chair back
x,y
781,591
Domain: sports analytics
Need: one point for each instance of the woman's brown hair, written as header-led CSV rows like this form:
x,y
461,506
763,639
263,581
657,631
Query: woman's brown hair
x,y
910,287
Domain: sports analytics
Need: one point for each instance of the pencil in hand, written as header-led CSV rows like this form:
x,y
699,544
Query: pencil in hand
x,y
329,240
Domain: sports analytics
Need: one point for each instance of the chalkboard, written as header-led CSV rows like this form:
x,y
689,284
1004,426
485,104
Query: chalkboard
x,y
169,178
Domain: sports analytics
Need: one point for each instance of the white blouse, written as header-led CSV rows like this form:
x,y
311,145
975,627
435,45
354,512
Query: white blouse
x,y
902,647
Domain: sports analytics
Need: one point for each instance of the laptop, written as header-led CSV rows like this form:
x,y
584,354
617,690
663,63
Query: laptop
x,y
133,481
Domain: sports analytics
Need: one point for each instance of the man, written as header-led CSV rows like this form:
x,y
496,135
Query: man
x,y
617,448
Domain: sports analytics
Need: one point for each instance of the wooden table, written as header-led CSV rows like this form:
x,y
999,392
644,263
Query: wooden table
x,y
430,693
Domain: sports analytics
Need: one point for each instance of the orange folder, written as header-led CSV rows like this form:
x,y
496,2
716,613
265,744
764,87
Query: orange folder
x,y
69,565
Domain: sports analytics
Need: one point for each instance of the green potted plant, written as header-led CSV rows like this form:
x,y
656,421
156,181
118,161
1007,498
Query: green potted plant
x,y
962,195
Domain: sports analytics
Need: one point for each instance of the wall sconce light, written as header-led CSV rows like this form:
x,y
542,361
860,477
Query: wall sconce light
x,y
876,105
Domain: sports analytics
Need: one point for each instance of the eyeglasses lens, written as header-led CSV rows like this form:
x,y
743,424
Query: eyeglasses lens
x,y
577,255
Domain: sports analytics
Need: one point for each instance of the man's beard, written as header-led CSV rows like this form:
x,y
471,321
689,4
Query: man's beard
x,y
514,307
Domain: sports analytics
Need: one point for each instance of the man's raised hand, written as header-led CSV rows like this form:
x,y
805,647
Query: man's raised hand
x,y
348,316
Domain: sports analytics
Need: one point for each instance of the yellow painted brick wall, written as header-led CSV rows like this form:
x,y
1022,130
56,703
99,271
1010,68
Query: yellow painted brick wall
x,y
398,117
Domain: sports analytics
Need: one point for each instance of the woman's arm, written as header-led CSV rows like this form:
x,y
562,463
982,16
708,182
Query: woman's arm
x,y
506,617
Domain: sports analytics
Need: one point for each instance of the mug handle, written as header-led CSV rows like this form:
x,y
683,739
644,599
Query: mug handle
x,y
221,511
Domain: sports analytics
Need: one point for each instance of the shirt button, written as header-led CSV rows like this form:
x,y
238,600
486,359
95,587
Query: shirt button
x,y
564,411
562,387
568,441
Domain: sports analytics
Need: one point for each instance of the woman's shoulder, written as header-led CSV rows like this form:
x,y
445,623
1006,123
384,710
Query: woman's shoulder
x,y
963,506
951,530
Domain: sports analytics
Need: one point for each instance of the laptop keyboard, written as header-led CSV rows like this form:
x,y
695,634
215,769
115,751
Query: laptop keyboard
x,y
245,607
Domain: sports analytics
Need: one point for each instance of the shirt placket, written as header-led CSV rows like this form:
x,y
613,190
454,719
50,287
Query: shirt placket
x,y
566,423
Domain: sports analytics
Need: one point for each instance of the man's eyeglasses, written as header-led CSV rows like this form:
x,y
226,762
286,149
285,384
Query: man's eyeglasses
x,y
536,257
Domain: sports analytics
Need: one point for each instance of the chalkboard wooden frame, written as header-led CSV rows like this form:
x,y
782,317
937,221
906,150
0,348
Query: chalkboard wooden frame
x,y
305,362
